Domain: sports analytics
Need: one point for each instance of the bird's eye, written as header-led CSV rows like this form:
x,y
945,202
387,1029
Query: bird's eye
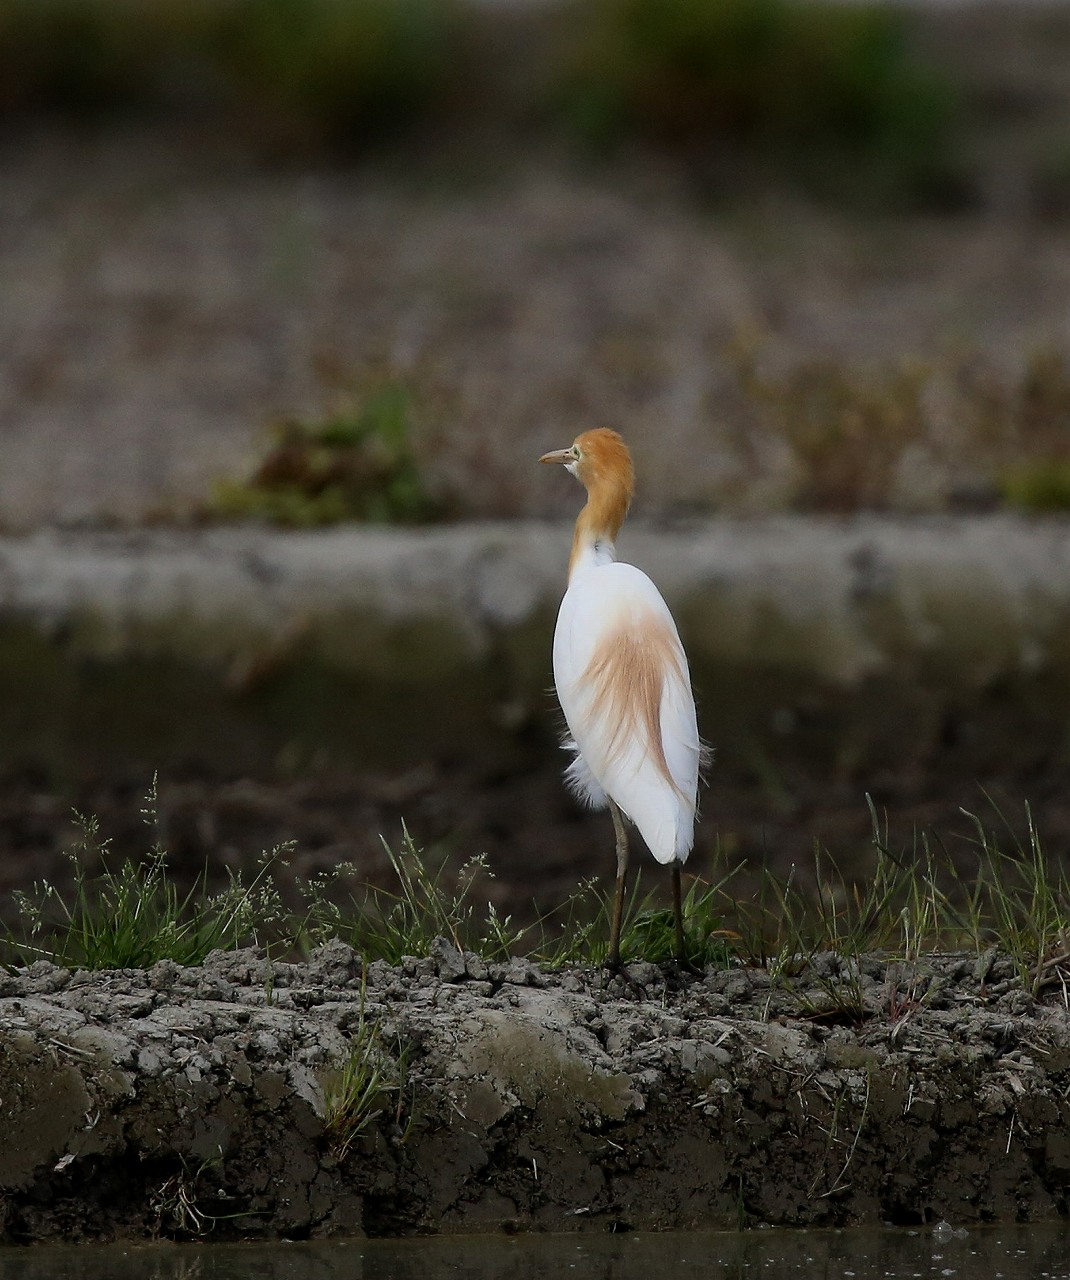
x,y
575,453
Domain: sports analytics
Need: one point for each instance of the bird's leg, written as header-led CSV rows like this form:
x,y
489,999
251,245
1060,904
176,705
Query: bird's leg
x,y
678,914
613,956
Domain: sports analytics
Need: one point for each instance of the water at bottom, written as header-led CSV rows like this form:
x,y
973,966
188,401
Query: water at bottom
x,y
984,1253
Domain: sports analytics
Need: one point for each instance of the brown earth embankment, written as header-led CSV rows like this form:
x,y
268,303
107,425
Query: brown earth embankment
x,y
194,1101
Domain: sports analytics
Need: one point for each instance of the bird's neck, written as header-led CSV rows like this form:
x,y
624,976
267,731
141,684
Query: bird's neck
x,y
597,527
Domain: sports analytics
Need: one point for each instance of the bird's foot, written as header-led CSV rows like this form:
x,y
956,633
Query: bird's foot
x,y
683,964
616,968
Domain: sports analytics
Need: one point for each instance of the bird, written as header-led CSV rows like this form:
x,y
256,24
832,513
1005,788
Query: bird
x,y
623,682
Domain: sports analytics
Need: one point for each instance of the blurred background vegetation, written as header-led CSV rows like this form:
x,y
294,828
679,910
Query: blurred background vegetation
x,y
312,262
786,128
811,89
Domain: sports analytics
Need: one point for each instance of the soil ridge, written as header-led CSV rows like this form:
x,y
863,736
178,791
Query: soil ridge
x,y
187,1101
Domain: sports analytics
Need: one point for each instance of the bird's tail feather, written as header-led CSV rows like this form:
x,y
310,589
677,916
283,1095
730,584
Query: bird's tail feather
x,y
581,781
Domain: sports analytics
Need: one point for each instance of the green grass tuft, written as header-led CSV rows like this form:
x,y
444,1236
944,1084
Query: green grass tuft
x,y
1040,486
135,915
366,1084
578,932
848,432
384,924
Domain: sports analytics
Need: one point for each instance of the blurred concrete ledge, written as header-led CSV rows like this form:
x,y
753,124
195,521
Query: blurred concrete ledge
x,y
836,598
374,644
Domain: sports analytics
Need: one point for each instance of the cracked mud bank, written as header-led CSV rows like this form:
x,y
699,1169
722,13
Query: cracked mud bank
x,y
186,1101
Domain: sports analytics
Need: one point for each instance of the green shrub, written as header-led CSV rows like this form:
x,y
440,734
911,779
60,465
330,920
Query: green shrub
x,y
336,70
342,69
705,74
1040,486
358,465
829,89
83,56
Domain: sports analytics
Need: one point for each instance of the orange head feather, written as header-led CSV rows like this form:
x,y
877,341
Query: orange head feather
x,y
600,460
605,463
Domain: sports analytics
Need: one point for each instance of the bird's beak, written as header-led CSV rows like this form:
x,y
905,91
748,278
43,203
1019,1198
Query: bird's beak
x,y
558,455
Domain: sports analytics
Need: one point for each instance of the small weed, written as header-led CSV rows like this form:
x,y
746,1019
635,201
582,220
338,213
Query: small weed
x,y
850,1098
1040,405
359,465
183,1206
387,924
365,1085
577,932
133,916
1024,425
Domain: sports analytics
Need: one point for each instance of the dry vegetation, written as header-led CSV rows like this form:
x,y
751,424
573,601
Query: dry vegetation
x,y
821,436
983,438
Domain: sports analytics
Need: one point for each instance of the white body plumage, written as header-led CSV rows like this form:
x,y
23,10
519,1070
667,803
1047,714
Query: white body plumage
x,y
623,684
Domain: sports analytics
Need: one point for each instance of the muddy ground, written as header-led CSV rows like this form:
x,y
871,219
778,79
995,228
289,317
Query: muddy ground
x,y
192,1101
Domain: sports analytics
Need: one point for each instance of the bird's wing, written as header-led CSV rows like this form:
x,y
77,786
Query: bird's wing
x,y
624,687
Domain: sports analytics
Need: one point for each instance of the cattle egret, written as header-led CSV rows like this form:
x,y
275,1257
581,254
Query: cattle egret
x,y
622,681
